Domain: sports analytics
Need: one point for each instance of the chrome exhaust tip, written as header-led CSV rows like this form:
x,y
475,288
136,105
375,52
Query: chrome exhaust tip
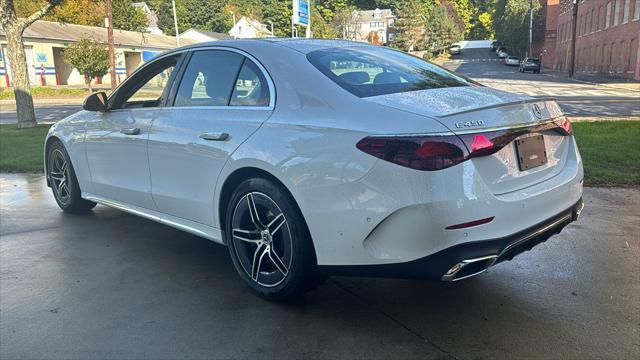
x,y
469,267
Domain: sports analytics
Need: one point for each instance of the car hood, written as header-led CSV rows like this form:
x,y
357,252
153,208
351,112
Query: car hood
x,y
455,105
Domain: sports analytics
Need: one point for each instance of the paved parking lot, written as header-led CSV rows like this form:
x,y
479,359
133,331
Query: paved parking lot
x,y
111,285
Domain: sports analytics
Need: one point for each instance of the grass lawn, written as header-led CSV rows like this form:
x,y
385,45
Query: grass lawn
x,y
610,151
47,92
21,150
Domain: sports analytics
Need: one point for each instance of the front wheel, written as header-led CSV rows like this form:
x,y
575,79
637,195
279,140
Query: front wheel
x,y
63,181
269,242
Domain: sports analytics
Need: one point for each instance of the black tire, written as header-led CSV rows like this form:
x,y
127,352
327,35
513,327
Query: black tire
x,y
63,181
290,266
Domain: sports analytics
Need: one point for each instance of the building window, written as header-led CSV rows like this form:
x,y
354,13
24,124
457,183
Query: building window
x,y
599,23
636,13
625,17
616,13
608,19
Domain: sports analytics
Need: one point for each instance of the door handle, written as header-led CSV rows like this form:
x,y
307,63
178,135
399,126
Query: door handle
x,y
130,131
215,136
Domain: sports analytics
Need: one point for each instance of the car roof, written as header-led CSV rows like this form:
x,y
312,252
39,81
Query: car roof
x,y
299,44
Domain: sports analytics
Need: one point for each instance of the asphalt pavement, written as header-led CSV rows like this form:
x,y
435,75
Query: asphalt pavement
x,y
576,98
112,285
44,114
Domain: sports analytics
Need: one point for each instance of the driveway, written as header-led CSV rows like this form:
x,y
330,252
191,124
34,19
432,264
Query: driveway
x,y
112,285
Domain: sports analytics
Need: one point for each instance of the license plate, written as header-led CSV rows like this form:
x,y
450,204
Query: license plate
x,y
531,152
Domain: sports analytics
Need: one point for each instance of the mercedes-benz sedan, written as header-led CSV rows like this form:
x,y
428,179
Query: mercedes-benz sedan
x,y
308,158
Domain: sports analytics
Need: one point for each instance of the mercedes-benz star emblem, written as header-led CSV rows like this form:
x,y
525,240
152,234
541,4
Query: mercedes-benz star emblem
x,y
537,111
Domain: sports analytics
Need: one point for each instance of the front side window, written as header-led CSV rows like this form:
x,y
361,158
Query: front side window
x,y
147,88
372,71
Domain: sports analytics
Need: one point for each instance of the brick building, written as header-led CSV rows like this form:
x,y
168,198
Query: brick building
x,y
606,37
547,26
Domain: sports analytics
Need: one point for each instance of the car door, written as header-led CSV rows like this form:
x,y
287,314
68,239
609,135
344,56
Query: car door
x,y
222,97
116,140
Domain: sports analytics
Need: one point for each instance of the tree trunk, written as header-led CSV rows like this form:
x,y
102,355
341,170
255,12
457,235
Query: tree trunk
x,y
20,77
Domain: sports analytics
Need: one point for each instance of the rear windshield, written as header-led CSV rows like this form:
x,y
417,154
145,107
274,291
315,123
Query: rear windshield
x,y
533,60
371,71
513,58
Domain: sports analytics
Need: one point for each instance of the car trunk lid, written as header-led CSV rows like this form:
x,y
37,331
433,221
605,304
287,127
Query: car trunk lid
x,y
469,111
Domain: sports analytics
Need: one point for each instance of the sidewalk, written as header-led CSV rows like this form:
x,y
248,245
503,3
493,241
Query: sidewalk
x,y
10,104
597,79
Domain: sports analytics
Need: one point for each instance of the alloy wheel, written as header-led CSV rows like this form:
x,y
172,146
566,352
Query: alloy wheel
x,y
262,239
59,176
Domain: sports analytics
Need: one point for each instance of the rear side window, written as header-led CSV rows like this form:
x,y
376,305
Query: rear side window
x,y
209,78
251,87
372,71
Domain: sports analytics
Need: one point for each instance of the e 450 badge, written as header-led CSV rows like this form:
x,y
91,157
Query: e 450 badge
x,y
468,124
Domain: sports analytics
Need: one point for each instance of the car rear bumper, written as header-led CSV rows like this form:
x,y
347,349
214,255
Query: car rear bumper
x,y
467,259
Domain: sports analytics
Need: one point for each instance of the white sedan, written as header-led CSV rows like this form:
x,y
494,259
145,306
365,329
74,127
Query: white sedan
x,y
309,158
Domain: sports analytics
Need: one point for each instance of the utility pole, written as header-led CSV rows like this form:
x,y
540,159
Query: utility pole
x,y
233,15
112,55
574,21
175,22
308,30
530,25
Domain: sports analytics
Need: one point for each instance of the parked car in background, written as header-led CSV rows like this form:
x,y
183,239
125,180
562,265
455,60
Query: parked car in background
x,y
512,61
502,54
530,64
455,49
371,162
495,44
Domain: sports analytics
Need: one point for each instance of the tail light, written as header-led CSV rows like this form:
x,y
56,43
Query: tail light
x,y
416,152
437,152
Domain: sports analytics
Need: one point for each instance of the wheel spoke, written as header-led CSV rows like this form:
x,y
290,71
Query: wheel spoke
x,y
63,169
66,189
257,261
61,184
276,224
253,211
57,176
250,236
277,261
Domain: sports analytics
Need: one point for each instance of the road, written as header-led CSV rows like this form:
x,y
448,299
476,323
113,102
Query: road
x,y
44,114
113,285
576,98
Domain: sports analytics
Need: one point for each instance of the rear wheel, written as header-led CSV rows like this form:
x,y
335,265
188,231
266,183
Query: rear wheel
x,y
63,181
268,241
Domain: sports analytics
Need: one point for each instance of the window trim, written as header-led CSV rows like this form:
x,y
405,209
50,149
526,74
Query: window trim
x,y
183,67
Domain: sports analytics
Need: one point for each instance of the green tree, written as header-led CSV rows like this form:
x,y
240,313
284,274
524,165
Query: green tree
x,y
441,30
279,12
128,17
409,25
14,27
82,12
511,22
89,57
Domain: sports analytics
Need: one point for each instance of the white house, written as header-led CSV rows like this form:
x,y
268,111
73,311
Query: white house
x,y
152,17
378,21
202,36
247,28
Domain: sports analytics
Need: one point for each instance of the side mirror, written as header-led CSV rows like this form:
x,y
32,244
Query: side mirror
x,y
96,102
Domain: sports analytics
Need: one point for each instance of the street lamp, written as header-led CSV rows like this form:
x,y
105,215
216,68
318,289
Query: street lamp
x,y
233,14
175,22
